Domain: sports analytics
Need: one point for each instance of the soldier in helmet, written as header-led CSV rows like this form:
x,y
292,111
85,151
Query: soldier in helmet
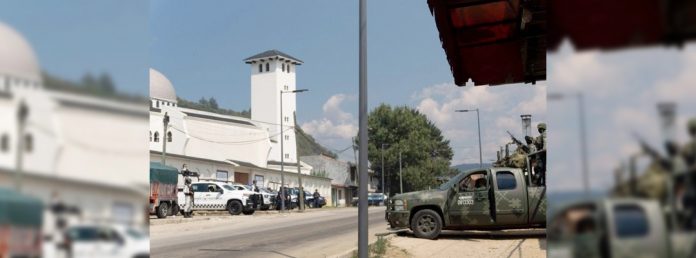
x,y
540,160
540,141
188,193
688,152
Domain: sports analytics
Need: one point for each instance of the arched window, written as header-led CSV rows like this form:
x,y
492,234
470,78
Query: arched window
x,y
283,67
268,67
260,68
156,136
150,135
28,142
288,68
4,143
169,136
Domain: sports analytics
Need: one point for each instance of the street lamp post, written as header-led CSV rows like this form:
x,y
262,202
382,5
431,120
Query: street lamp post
x,y
383,185
583,134
362,133
478,123
165,121
282,152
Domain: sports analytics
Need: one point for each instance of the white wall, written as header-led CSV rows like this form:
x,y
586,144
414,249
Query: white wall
x,y
265,105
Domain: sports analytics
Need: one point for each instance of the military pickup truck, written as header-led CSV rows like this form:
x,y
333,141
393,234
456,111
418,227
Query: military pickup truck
x,y
481,199
617,227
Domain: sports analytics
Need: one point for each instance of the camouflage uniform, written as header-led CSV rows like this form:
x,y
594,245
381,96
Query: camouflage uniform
x,y
540,141
688,152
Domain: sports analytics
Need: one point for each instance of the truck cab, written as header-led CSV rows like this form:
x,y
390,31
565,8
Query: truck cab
x,y
616,227
481,199
214,196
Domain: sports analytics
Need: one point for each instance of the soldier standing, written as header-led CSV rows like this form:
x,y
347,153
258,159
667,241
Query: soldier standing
x,y
188,193
316,198
540,144
688,153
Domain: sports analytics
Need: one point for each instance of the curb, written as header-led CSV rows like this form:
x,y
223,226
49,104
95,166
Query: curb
x,y
349,253
223,215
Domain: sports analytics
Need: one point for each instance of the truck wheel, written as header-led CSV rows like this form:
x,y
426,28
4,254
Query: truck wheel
x,y
162,210
175,210
248,212
426,224
234,207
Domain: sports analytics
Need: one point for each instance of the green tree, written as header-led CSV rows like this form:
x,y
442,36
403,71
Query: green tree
x,y
425,153
106,84
213,103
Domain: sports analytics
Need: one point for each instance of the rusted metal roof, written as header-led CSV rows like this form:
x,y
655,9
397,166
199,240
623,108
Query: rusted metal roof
x,y
608,25
493,42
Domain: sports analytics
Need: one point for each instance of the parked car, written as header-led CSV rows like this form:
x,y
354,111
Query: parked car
x,y
219,196
265,199
111,241
375,199
309,200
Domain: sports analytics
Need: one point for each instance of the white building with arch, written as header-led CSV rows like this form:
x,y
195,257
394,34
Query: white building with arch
x,y
233,148
80,150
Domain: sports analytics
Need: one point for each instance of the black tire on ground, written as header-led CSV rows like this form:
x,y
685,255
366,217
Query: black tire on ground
x,y
162,210
234,207
248,212
426,224
175,210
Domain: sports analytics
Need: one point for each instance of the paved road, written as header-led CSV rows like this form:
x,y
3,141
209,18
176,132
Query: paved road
x,y
313,234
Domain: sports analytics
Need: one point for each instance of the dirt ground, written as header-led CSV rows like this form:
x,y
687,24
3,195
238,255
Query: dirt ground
x,y
509,243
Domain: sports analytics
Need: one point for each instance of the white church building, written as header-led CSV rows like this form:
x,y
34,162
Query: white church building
x,y
83,151
232,148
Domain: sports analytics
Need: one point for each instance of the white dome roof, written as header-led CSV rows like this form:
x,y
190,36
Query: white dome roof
x,y
161,87
17,58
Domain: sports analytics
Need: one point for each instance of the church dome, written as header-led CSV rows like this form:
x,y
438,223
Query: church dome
x,y
161,87
17,58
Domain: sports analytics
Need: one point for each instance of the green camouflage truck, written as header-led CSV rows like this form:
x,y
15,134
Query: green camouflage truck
x,y
163,190
21,219
480,199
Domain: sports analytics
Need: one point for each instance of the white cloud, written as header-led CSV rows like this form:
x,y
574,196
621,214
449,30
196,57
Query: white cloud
x,y
337,126
500,110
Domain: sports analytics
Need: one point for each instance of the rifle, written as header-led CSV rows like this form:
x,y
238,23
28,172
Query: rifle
x,y
653,153
519,143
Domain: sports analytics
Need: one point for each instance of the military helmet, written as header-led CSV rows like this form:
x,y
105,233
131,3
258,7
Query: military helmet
x,y
541,126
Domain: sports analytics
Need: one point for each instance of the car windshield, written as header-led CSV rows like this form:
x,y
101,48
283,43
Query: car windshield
x,y
135,234
454,180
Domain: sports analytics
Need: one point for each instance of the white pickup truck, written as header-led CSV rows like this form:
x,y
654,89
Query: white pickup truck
x,y
212,196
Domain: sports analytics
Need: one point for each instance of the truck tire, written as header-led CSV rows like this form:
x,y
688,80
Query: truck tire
x,y
249,212
426,224
175,209
234,207
162,210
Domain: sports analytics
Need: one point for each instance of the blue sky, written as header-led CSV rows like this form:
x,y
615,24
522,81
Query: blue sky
x,y
76,37
200,46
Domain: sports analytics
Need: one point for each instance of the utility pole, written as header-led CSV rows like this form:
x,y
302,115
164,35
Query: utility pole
x,y
282,151
299,171
165,138
401,179
22,114
362,133
478,123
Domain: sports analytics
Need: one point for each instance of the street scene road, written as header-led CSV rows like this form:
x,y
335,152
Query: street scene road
x,y
322,233
330,232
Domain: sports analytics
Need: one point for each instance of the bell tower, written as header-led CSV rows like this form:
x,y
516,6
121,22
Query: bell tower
x,y
273,72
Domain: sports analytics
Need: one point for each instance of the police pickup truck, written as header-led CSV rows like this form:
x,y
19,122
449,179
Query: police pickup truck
x,y
213,196
481,199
